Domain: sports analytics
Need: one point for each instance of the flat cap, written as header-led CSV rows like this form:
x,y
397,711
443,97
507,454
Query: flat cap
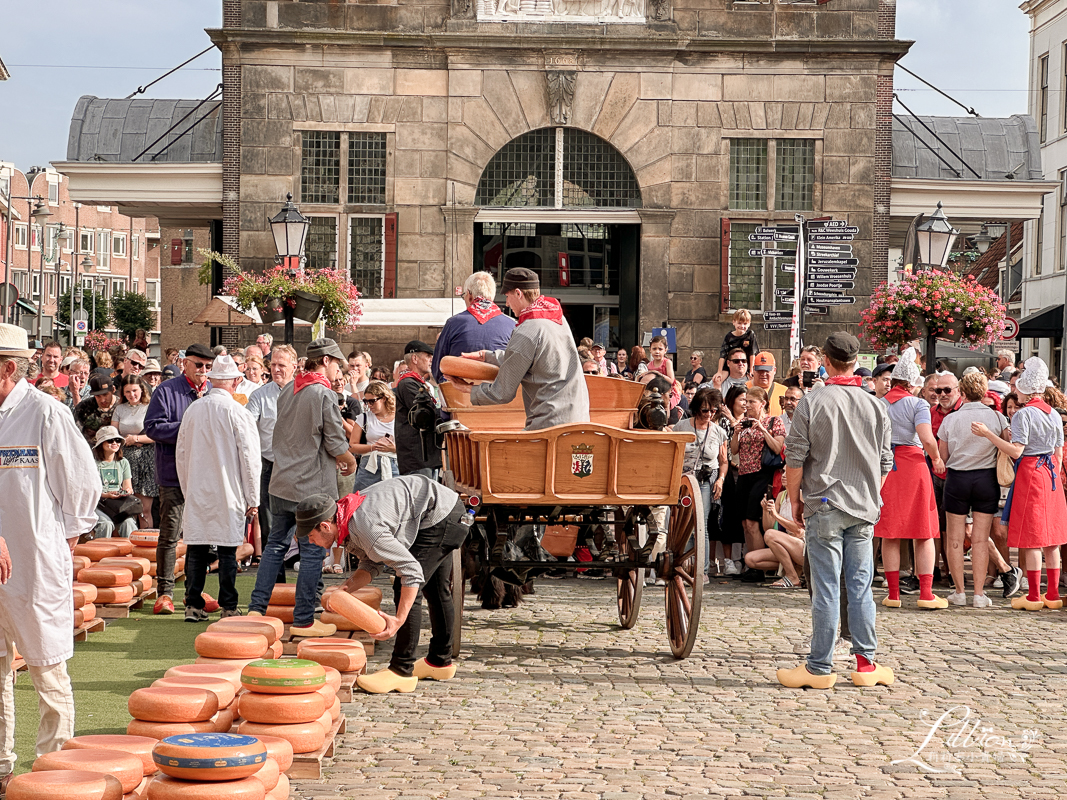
x,y
842,346
324,347
312,510
520,278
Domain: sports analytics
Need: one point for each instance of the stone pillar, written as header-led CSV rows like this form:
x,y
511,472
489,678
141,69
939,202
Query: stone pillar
x,y
883,152
459,243
654,267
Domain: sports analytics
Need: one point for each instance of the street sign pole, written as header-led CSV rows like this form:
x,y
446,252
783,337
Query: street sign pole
x,y
796,331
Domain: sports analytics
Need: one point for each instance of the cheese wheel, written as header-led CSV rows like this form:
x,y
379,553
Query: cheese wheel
x,y
276,650
106,576
124,766
227,671
80,563
284,613
173,704
141,792
333,678
253,625
148,552
241,662
279,749
79,598
326,721
138,588
97,549
283,676
140,746
281,790
371,595
282,709
115,594
214,644
268,774
283,594
328,693
161,730
277,624
341,623
330,643
88,612
125,546
88,591
335,708
146,537
468,369
224,720
138,566
179,564
79,618
210,756
343,660
147,583
223,689
167,788
181,547
306,737
64,785
357,611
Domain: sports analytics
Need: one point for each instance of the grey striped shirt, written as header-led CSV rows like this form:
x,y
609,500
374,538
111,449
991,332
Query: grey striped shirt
x,y
840,437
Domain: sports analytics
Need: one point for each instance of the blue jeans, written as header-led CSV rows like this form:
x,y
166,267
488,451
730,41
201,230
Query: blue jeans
x,y
705,497
835,541
308,580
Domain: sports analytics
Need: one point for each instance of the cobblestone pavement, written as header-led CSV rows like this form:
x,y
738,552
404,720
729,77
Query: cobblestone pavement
x,y
554,700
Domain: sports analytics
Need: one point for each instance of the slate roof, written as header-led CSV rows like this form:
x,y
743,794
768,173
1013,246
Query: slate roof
x,y
987,268
118,130
992,147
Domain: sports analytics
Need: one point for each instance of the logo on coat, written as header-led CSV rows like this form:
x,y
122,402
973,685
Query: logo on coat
x,y
19,458
581,460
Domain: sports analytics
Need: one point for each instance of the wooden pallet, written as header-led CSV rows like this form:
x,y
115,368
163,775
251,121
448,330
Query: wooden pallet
x,y
93,626
122,610
347,689
309,765
289,643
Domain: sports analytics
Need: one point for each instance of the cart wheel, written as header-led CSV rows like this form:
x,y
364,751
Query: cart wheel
x,y
684,566
458,586
631,585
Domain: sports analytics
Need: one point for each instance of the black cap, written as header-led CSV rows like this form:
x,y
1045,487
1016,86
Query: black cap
x,y
863,372
841,346
324,347
415,346
312,510
171,371
100,384
882,369
200,351
520,278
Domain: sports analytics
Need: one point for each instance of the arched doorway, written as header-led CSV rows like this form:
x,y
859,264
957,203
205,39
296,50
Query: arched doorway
x,y
562,201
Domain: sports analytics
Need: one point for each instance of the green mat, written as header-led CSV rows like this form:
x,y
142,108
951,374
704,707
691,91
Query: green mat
x,y
108,666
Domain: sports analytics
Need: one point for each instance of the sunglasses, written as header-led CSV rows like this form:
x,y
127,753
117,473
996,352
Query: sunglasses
x,y
943,390
371,400
738,360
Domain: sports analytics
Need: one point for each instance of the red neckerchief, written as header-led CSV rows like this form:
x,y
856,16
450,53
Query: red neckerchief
x,y
346,507
414,375
896,393
542,308
307,379
198,389
844,380
484,310
1039,404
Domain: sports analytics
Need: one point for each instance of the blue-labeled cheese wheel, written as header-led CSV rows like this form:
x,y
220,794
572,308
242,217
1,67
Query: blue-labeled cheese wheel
x,y
209,756
283,676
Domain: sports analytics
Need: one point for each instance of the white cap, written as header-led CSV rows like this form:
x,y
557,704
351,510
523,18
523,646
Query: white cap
x,y
224,368
907,370
1034,379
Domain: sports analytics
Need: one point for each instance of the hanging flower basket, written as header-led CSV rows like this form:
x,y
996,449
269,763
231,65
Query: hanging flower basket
x,y
306,306
270,310
310,293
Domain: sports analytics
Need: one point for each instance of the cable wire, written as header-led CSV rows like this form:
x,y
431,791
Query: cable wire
x,y
950,97
143,89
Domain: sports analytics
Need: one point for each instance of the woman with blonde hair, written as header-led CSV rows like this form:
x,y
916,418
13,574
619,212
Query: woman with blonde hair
x,y
372,436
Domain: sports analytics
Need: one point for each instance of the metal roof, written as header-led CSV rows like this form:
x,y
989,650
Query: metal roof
x,y
120,130
993,148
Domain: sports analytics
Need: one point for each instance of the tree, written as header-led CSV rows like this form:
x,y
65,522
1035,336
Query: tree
x,y
131,310
85,301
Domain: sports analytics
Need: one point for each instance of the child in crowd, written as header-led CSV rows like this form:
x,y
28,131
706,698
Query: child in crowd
x,y
660,363
741,337
118,485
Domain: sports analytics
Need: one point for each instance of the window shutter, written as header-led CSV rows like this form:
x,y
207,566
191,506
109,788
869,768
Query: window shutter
x,y
724,266
176,248
389,287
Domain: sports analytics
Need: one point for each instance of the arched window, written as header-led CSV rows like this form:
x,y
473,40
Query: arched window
x,y
558,168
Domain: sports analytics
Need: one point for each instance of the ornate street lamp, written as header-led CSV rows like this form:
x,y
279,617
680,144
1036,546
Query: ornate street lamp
x,y
936,237
290,229
983,240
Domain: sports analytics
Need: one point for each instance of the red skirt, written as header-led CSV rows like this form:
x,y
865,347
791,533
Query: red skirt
x,y
909,510
1038,516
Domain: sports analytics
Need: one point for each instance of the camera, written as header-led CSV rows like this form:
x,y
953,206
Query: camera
x,y
809,378
747,422
704,474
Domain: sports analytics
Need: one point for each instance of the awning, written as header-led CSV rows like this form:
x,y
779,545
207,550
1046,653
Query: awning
x,y
222,312
1044,324
27,306
427,312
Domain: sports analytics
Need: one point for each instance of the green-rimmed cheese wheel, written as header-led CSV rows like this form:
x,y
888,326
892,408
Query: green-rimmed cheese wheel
x,y
283,676
140,746
210,756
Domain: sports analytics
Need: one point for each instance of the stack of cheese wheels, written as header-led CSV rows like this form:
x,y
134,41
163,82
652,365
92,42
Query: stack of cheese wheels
x,y
344,655
369,595
283,700
172,710
269,627
113,584
282,602
140,746
140,567
355,611
79,563
144,543
125,767
231,643
65,784
84,603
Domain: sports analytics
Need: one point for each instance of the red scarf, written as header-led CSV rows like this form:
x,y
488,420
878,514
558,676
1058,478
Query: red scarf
x,y
346,507
896,393
201,390
484,310
542,308
1039,404
845,380
414,375
308,378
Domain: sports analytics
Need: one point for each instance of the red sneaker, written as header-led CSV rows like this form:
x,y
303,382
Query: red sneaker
x,y
164,605
211,605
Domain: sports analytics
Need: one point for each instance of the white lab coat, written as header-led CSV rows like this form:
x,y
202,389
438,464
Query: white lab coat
x,y
49,488
218,463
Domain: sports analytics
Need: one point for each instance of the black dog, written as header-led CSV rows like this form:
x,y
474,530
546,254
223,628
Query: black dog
x,y
492,592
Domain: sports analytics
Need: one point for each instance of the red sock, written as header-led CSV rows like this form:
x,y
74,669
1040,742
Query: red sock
x,y
863,665
926,586
893,577
1053,591
1033,578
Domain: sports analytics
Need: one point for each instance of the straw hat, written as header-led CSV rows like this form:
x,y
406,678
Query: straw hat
x,y
15,342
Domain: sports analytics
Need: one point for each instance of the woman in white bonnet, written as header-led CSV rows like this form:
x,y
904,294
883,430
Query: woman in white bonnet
x,y
908,507
1036,512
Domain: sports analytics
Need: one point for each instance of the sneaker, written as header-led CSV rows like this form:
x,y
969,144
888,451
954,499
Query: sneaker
x,y
909,584
1024,584
230,612
195,615
1012,581
958,598
998,583
981,601
752,576
211,605
164,605
705,580
842,648
731,568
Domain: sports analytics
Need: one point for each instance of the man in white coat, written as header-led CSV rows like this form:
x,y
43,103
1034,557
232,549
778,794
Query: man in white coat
x,y
49,488
218,463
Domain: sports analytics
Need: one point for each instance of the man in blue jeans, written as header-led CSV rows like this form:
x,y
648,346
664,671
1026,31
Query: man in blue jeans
x,y
838,453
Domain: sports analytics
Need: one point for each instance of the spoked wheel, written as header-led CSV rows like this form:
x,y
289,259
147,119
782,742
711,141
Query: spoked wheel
x,y
683,562
458,585
631,585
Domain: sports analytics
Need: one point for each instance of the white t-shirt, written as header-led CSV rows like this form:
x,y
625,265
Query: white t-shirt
x,y
374,427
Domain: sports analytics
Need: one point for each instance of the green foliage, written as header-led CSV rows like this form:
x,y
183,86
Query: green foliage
x,y
206,267
131,311
86,300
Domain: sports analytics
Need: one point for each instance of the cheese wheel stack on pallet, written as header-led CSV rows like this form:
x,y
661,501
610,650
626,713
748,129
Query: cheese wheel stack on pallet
x,y
67,773
84,604
210,766
282,602
239,639
162,711
290,699
144,546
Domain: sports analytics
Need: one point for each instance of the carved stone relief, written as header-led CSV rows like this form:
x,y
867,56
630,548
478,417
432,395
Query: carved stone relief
x,y
562,10
560,94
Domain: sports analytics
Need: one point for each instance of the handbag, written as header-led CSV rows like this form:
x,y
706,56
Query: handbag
x,y
769,459
1005,469
119,508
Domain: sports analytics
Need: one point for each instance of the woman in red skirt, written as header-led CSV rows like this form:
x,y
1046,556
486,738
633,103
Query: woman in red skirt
x,y
1036,511
908,507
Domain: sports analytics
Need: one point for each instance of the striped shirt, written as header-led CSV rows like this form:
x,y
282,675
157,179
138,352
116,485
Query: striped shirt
x,y
840,437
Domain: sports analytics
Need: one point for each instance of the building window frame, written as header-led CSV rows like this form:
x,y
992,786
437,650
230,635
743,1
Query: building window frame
x,y
365,290
19,234
87,240
1042,97
103,249
118,245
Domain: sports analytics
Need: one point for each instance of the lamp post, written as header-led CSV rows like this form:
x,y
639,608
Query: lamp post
x,y
40,216
87,266
63,236
935,238
290,229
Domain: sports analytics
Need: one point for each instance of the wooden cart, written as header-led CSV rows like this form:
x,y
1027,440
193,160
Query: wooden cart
x,y
581,477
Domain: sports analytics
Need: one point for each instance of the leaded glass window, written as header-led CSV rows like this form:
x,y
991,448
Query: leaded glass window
x,y
746,272
366,168
794,174
320,166
748,174
366,255
595,174
522,173
320,247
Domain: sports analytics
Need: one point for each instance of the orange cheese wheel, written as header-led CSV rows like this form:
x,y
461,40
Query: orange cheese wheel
x,y
284,613
223,690
268,774
227,671
140,746
173,704
371,595
124,766
181,548
64,785
214,757
88,612
163,787
138,566
335,708
214,644
341,623
79,618
249,625
138,588
277,624
80,563
357,611
106,576
341,659
468,369
283,676
97,549
282,709
241,662
161,730
224,720
88,591
278,749
146,537
148,552
276,650
283,594
79,598
328,693
326,721
281,790
306,737
125,546
333,678
115,594
147,583
330,643
179,564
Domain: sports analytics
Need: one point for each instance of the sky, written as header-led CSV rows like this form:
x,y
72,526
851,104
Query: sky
x,y
59,50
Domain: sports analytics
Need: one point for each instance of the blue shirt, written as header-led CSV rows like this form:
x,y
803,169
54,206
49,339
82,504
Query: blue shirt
x,y
162,420
263,406
1038,432
464,334
905,414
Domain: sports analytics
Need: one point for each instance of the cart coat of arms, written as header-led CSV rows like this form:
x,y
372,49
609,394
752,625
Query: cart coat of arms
x,y
581,460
